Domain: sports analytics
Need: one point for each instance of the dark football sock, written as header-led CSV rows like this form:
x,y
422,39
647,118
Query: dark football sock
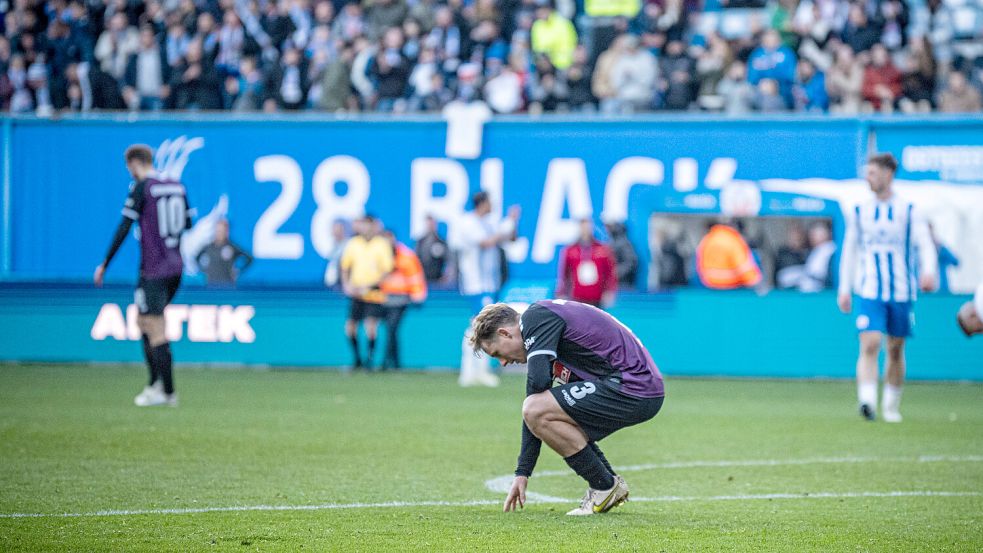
x,y
588,465
371,351
148,355
600,455
163,362
358,357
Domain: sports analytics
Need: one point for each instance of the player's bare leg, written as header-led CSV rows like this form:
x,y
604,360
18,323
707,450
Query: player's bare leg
x,y
870,348
550,423
893,380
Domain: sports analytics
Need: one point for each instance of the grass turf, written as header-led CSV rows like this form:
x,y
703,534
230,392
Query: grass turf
x,y
72,442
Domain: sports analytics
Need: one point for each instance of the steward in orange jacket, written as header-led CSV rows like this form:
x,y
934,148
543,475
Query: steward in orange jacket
x,y
724,260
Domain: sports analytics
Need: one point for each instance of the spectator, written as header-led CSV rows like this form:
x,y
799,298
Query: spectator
x,y
446,38
882,81
116,45
219,261
737,94
791,257
772,60
194,83
844,82
91,88
859,32
350,23
893,18
809,90
391,72
634,76
147,74
433,252
587,270
918,81
767,98
553,35
231,43
245,92
625,257
669,262
287,84
724,260
176,44
336,82
959,96
404,286
206,34
366,260
21,96
578,82
339,239
817,274
711,65
382,15
477,237
547,89
677,77
504,91
602,83
60,48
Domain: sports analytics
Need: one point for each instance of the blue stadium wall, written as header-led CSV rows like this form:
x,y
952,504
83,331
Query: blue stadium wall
x,y
287,180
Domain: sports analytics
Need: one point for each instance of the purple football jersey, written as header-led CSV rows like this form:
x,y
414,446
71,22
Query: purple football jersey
x,y
160,206
593,344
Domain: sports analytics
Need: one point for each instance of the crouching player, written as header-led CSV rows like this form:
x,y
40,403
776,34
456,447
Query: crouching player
x,y
606,381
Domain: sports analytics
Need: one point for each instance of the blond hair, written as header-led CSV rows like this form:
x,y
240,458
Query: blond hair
x,y
487,322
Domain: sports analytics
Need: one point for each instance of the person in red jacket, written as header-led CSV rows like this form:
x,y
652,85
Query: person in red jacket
x,y
587,270
882,80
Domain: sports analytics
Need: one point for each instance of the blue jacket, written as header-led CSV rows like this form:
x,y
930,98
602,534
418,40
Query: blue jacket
x,y
811,95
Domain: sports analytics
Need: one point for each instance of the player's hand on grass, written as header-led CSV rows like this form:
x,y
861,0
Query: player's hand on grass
x,y
845,302
98,276
517,494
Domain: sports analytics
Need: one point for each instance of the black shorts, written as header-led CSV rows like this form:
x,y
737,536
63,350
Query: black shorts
x,y
154,294
365,310
600,408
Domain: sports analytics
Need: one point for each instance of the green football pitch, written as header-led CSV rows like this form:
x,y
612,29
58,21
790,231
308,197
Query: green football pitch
x,y
271,460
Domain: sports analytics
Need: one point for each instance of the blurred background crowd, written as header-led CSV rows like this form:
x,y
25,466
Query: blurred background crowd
x,y
518,56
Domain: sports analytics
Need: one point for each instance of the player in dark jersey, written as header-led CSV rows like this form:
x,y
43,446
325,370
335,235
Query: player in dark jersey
x,y
160,206
606,381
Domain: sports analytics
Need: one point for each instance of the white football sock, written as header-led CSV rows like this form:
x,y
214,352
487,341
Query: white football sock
x,y
867,393
891,398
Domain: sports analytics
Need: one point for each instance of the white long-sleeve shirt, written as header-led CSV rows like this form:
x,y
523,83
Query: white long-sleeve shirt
x,y
480,267
891,243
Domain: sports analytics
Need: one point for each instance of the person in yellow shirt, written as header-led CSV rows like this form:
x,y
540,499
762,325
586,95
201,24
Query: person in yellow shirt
x,y
553,35
366,261
724,260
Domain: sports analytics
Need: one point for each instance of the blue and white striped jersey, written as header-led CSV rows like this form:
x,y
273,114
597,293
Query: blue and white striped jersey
x,y
892,243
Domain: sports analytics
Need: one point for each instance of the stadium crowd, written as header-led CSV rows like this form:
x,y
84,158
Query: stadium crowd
x,y
612,56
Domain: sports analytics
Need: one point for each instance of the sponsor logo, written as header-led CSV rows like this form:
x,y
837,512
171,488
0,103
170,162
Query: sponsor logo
x,y
529,342
566,397
863,321
201,323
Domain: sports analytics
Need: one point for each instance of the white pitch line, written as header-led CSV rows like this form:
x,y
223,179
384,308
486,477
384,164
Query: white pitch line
x,y
475,503
501,484
765,463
